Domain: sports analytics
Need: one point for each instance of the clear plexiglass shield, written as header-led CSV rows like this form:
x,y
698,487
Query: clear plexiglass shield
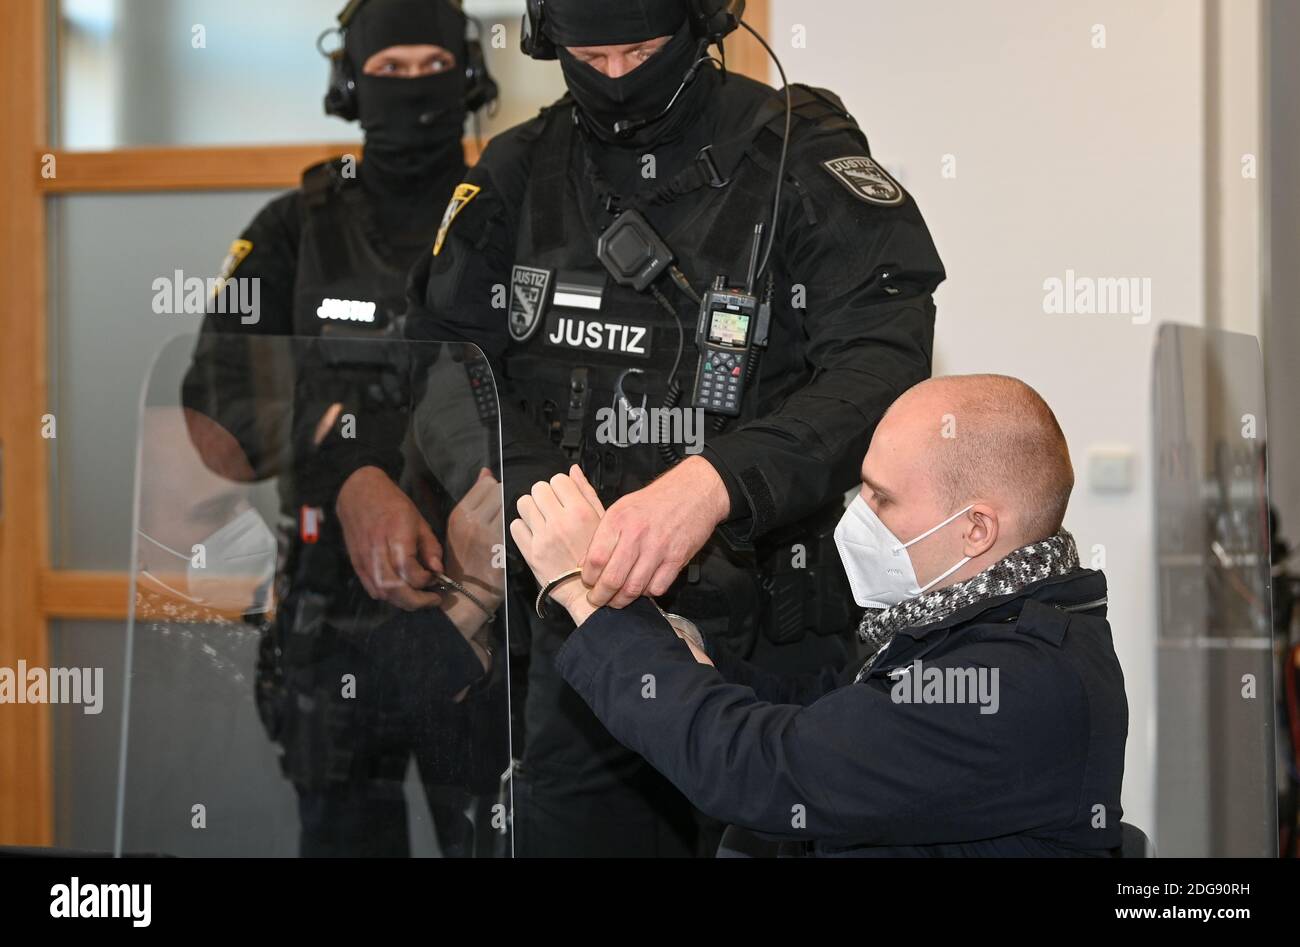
x,y
317,657
1215,780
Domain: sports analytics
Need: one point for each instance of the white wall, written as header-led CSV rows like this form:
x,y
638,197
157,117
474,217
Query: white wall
x,y
1242,168
1067,157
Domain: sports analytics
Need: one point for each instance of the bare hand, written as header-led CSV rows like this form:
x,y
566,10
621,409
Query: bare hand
x,y
474,540
647,537
555,525
392,548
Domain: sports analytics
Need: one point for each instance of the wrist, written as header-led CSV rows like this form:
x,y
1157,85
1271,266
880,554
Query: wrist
x,y
578,607
468,618
737,502
549,592
361,475
571,595
710,487
481,643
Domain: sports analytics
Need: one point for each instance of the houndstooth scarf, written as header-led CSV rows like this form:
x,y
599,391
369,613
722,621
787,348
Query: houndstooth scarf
x,y
1053,556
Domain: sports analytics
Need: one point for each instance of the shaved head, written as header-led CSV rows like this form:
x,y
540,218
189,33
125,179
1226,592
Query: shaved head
x,y
993,438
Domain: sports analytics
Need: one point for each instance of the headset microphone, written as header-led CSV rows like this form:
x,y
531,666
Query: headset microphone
x,y
627,127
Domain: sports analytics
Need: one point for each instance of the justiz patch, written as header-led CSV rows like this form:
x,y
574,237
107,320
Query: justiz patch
x,y
528,288
593,335
866,180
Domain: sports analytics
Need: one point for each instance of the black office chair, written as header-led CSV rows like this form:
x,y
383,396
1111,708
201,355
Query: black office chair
x,y
1133,842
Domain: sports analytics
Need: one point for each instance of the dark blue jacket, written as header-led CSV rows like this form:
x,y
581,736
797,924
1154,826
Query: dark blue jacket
x,y
858,768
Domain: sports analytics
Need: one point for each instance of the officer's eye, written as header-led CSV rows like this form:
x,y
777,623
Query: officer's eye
x,y
439,63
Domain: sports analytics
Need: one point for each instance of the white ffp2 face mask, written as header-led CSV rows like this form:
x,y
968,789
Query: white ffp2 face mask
x,y
879,569
239,558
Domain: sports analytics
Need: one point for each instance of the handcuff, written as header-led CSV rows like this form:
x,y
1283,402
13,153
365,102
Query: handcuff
x,y
444,583
684,627
544,596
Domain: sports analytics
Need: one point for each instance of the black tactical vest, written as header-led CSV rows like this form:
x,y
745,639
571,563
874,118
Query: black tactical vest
x,y
349,282
579,340
591,332
350,288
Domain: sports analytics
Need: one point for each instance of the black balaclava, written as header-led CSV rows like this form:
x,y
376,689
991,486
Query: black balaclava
x,y
646,91
412,126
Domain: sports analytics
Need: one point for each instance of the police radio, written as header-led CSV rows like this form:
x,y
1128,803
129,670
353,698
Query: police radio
x,y
731,333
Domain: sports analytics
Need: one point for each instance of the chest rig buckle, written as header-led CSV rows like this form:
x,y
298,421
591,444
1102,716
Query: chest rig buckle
x,y
579,396
712,176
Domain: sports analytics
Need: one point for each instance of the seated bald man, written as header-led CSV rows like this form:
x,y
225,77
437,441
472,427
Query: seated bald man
x,y
989,717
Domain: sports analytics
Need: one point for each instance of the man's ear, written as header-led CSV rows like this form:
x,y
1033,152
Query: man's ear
x,y
981,533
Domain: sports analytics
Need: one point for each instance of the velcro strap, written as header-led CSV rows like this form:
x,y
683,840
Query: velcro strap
x,y
754,482
548,182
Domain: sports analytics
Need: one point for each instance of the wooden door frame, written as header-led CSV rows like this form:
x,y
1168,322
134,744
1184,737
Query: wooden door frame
x,y
26,803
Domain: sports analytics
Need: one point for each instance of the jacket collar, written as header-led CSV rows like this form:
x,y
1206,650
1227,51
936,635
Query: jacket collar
x,y
1071,592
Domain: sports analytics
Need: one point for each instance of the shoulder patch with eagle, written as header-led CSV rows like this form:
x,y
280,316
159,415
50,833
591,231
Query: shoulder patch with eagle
x,y
866,180
238,252
460,199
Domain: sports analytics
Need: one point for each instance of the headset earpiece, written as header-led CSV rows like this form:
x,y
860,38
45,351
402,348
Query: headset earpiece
x,y
341,95
533,40
481,89
714,20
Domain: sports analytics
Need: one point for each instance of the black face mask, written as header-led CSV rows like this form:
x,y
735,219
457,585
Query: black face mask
x,y
400,115
411,125
640,95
